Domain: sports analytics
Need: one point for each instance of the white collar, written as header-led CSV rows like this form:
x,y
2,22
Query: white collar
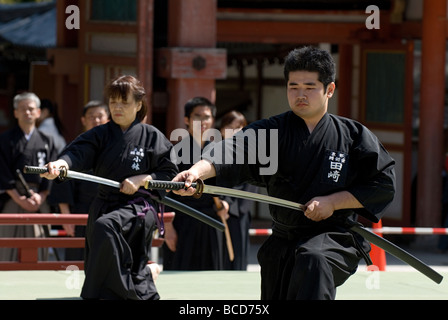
x,y
28,136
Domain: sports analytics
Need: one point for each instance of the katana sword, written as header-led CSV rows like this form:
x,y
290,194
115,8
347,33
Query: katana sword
x,y
70,174
221,191
352,225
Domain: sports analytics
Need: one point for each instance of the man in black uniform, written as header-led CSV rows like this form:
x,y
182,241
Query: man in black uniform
x,y
24,145
333,165
189,243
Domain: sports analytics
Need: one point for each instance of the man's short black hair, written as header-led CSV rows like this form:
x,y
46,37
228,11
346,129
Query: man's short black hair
x,y
93,104
314,60
199,101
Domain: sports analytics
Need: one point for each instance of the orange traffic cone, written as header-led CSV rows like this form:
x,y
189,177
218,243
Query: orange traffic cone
x,y
377,254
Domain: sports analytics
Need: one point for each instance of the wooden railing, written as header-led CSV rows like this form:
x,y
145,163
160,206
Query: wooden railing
x,y
28,247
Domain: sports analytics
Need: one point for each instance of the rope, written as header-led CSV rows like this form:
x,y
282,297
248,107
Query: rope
x,y
383,230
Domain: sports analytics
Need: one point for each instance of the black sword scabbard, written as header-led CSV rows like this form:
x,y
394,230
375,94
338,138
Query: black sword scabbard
x,y
192,212
24,184
397,252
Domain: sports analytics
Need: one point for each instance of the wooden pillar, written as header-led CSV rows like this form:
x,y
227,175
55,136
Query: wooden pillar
x,y
64,66
430,155
345,80
145,53
191,63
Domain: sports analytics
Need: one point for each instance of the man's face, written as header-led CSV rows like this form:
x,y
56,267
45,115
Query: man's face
x,y
306,95
94,116
202,114
27,112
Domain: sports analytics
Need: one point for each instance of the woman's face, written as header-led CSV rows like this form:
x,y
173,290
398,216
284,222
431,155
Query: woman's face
x,y
123,112
232,128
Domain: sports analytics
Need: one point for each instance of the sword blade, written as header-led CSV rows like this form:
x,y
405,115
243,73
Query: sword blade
x,y
92,178
221,191
74,175
253,196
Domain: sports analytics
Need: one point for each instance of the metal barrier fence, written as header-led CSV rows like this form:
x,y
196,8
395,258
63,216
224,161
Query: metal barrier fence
x,y
383,230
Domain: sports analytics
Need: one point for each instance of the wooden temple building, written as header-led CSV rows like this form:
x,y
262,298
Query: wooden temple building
x,y
390,56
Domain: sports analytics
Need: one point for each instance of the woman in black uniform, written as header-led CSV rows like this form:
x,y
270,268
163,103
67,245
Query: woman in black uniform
x,y
121,221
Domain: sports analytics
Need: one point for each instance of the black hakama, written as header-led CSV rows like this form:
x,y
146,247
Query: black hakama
x,y
199,246
120,227
240,211
78,195
304,259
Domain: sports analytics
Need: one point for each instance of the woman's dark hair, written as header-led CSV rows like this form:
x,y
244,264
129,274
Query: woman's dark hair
x,y
122,86
198,101
53,112
231,116
314,60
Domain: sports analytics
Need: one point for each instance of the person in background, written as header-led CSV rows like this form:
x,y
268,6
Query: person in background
x,y
189,243
23,145
50,124
75,196
240,210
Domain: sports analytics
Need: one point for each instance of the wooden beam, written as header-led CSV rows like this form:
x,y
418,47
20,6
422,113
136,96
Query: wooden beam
x,y
290,32
192,63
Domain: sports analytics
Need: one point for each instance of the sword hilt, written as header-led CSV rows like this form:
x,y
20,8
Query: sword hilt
x,y
40,170
34,170
170,185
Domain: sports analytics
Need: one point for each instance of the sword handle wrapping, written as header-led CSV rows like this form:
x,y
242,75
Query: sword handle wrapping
x,y
170,185
34,170
166,185
39,170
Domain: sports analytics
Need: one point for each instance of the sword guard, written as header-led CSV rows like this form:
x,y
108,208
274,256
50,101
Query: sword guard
x,y
62,173
199,189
